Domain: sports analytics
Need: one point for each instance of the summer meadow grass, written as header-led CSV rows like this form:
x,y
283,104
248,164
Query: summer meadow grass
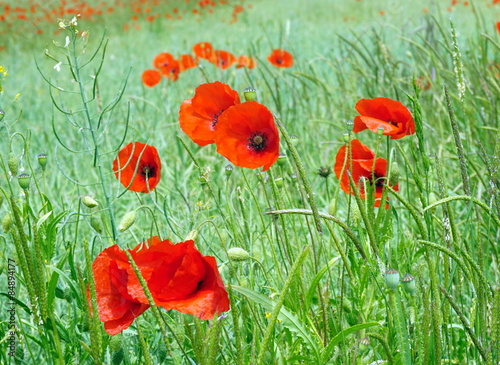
x,y
305,256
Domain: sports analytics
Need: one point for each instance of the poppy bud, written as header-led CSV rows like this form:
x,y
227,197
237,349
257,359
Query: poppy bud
x,y
346,136
7,223
42,160
2,114
282,159
127,221
409,284
394,174
392,278
237,254
13,164
363,344
24,180
89,202
250,94
228,170
324,171
96,223
294,139
192,235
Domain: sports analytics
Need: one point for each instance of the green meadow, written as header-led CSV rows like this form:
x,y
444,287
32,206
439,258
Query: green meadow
x,y
314,275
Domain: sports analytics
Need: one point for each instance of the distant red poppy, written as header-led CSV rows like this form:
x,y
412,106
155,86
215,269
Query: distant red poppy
x,y
199,115
223,59
391,115
151,78
181,278
117,307
281,58
204,50
171,71
358,159
498,27
247,136
163,60
186,61
245,61
138,167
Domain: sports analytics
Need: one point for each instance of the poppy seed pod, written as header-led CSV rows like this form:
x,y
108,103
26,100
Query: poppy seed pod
x,y
324,171
42,159
363,344
250,94
409,284
127,221
237,254
294,139
89,202
282,159
392,278
279,182
24,180
346,136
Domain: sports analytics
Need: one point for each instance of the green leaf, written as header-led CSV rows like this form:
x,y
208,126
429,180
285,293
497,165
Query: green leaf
x,y
315,281
326,354
287,318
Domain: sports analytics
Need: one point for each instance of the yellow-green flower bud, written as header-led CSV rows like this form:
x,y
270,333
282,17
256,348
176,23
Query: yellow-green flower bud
x,y
192,235
24,180
96,223
392,278
237,254
250,94
13,163
7,222
127,221
89,202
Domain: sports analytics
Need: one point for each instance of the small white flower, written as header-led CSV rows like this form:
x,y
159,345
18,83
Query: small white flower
x,y
62,25
67,42
57,67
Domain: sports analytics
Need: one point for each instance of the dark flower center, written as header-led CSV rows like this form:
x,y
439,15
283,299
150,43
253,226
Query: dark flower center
x,y
258,141
279,61
147,171
215,118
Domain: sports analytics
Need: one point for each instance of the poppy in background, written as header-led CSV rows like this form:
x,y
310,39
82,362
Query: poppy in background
x,y
138,167
280,58
358,160
223,59
247,136
151,78
204,50
163,60
181,278
245,61
172,71
117,307
186,61
199,115
390,115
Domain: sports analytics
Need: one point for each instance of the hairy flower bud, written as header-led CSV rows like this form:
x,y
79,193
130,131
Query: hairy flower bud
x,y
127,221
96,223
89,202
237,254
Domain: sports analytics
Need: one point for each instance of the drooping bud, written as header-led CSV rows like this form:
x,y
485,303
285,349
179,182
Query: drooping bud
x,y
89,202
192,235
7,222
250,94
96,223
42,160
127,221
24,181
324,171
13,163
237,254
282,159
394,174
409,284
392,278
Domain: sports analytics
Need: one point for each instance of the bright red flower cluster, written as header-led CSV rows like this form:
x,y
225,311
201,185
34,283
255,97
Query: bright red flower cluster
x,y
380,115
244,133
177,275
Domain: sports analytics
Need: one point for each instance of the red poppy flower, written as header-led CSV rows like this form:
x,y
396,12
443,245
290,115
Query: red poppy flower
x,y
151,78
117,307
162,60
138,167
199,115
223,59
181,278
245,61
281,58
186,61
391,115
204,50
358,159
247,136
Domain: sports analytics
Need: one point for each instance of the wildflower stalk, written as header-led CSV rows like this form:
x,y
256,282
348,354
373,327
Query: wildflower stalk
x,y
144,346
274,315
212,341
385,345
402,334
495,324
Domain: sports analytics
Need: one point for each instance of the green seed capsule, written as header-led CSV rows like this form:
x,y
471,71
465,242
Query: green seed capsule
x,y
42,159
409,284
363,344
392,278
24,181
250,94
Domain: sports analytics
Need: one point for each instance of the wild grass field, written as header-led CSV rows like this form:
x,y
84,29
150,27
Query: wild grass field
x,y
157,211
